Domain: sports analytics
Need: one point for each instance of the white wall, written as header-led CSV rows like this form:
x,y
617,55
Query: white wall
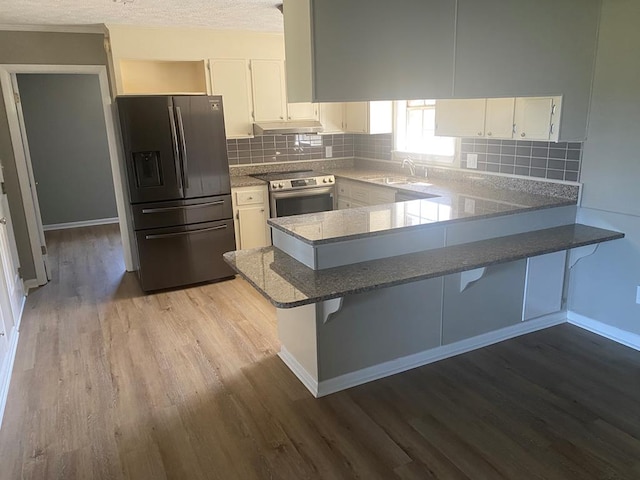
x,y
603,287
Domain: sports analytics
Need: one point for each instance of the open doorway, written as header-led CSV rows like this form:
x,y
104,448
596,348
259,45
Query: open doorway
x,y
77,188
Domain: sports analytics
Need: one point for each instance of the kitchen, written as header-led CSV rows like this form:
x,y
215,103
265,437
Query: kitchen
x,y
606,279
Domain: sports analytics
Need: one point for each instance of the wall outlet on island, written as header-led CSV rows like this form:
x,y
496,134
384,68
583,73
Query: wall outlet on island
x,y
472,160
328,152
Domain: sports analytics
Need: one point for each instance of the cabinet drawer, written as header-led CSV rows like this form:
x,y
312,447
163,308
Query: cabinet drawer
x,y
250,197
181,212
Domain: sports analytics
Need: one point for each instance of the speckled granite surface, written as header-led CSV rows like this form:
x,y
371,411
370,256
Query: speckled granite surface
x,y
245,181
453,202
287,283
569,190
318,165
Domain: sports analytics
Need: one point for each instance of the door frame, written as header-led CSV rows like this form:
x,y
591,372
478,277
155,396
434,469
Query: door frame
x,y
23,160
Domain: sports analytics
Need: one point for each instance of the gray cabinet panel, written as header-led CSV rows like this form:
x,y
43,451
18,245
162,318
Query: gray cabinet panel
x,y
383,50
524,48
490,303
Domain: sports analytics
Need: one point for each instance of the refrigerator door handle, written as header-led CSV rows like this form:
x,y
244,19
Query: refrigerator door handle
x,y
182,207
174,143
179,234
183,143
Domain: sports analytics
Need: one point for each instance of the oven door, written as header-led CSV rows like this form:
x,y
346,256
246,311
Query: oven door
x,y
297,202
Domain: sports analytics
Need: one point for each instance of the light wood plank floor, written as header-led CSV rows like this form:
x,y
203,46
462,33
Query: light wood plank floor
x,y
110,384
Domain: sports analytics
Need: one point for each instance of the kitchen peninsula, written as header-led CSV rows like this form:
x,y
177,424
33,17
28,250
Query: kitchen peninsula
x,y
368,292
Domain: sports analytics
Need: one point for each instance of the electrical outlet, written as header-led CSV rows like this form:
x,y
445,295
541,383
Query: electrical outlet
x,y
638,294
472,160
328,152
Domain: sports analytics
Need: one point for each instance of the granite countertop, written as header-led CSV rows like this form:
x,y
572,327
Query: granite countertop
x,y
287,283
238,181
452,202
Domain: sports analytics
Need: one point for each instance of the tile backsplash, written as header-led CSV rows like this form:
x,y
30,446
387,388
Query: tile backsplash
x,y
288,148
556,161
376,147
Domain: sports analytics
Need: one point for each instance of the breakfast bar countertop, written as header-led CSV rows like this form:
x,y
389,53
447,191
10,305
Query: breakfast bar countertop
x,y
287,283
450,202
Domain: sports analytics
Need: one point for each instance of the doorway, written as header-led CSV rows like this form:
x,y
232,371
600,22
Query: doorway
x,y
15,77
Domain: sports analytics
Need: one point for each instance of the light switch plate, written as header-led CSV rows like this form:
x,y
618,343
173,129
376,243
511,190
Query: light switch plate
x,y
328,152
472,160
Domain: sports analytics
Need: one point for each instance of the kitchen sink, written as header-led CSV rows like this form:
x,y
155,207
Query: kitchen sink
x,y
399,181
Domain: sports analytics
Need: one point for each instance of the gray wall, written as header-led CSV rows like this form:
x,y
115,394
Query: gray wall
x,y
38,48
64,119
603,286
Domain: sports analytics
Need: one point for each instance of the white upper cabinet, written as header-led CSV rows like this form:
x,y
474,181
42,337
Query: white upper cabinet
x,y
269,92
498,119
302,111
368,117
460,118
332,117
230,78
536,118
527,118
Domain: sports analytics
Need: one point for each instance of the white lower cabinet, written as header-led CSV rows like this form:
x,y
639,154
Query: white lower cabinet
x,y
353,194
250,213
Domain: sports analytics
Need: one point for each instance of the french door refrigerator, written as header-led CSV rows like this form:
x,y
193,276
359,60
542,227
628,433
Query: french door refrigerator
x,y
179,188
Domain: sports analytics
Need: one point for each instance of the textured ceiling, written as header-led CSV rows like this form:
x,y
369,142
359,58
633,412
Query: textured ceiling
x,y
226,14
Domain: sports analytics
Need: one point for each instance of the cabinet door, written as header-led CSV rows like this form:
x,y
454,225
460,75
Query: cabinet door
x,y
267,83
498,121
533,118
356,117
252,220
302,111
332,117
229,78
460,118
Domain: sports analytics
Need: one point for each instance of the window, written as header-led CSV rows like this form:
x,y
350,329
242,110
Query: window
x,y
414,132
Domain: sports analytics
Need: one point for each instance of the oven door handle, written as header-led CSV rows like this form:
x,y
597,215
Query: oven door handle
x,y
304,192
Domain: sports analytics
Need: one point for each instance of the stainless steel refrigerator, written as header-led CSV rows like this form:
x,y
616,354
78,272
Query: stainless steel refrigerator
x,y
179,188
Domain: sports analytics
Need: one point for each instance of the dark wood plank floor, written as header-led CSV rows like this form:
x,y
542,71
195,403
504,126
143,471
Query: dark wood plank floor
x,y
110,383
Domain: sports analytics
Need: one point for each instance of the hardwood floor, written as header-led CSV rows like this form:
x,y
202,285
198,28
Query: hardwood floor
x,y
110,383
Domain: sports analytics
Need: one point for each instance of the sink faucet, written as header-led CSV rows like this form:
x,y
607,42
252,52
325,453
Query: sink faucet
x,y
412,166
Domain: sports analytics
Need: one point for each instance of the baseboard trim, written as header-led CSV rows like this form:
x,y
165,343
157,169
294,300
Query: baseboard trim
x,y
299,371
629,339
29,284
84,223
409,362
5,373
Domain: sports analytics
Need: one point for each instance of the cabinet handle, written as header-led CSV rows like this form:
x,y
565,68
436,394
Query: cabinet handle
x,y
281,118
551,129
1,334
479,134
523,134
262,210
488,134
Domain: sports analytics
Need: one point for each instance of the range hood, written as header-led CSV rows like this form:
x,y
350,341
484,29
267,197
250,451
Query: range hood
x,y
282,128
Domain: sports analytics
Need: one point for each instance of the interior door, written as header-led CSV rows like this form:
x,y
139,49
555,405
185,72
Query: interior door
x,y
32,187
203,145
11,289
149,134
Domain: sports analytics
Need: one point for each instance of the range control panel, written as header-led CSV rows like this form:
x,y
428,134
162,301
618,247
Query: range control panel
x,y
294,184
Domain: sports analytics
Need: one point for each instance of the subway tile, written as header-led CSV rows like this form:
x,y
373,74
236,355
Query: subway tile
x,y
492,167
521,171
494,142
523,151
242,141
539,162
507,169
508,150
524,143
573,154
509,143
575,145
482,166
572,166
492,158
555,174
480,148
561,145
541,144
493,148
244,154
556,164
571,176
538,172
523,161
244,161
540,152
507,159
557,153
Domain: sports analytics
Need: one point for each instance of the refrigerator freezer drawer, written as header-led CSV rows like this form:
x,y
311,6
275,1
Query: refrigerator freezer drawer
x,y
181,212
172,257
